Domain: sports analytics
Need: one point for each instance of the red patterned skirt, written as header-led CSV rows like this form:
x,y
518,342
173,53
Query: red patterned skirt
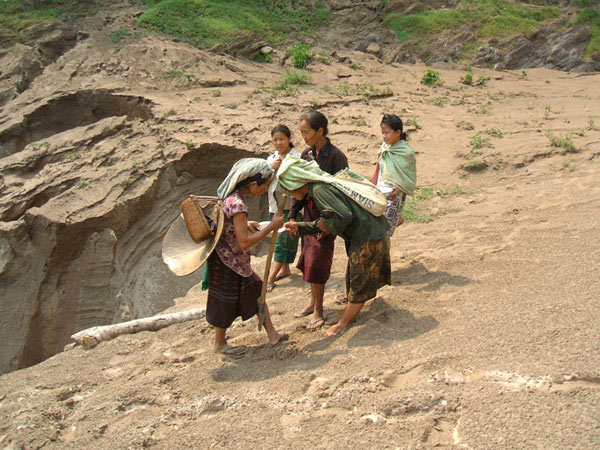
x,y
316,255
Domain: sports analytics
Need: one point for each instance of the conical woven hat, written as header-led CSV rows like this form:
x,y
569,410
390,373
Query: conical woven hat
x,y
180,252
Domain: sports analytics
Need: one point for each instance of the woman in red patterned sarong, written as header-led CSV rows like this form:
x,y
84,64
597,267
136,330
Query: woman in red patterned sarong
x,y
317,250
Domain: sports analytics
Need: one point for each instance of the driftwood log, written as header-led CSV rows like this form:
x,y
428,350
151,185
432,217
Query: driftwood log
x,y
91,337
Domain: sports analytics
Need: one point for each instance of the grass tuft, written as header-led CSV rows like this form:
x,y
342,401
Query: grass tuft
x,y
431,78
206,23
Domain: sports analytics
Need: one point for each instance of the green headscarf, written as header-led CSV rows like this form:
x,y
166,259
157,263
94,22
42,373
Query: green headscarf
x,y
399,166
295,173
242,170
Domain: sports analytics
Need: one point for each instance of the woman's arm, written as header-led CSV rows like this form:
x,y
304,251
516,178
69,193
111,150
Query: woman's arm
x,y
246,240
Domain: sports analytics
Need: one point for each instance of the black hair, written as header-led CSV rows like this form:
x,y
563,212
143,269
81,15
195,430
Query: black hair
x,y
256,177
395,123
283,129
316,120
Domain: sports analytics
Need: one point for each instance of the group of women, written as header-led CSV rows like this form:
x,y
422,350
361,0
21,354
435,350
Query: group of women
x,y
327,212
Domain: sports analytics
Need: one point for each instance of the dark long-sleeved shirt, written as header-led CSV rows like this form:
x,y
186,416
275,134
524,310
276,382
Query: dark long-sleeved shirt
x,y
330,159
349,220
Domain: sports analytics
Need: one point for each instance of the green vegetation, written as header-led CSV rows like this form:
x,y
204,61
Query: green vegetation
x,y
431,78
180,75
288,82
478,141
73,155
119,35
568,164
264,57
414,212
590,16
468,78
301,55
494,132
475,165
365,89
490,18
565,142
414,122
357,121
324,58
414,209
465,125
80,184
18,17
206,23
438,101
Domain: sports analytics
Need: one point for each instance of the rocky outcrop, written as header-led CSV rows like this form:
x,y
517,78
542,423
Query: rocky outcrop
x,y
551,47
83,214
21,63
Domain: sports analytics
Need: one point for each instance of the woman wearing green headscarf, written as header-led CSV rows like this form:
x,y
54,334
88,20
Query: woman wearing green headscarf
x,y
364,234
233,287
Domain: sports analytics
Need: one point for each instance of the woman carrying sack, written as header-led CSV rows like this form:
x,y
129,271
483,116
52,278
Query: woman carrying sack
x,y
316,254
346,216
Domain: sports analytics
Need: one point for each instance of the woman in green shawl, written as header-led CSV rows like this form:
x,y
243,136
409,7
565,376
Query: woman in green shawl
x,y
364,234
396,171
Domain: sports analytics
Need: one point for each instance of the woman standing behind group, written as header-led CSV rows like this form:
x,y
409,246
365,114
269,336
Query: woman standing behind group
x,y
286,246
396,170
316,256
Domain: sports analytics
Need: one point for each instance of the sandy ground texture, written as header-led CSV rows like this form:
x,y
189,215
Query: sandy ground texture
x,y
488,338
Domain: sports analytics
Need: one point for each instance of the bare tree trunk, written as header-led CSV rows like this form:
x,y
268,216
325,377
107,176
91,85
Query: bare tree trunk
x,y
93,336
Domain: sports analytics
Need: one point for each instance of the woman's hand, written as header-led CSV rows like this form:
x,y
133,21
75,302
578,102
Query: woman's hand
x,y
394,194
292,228
276,164
276,222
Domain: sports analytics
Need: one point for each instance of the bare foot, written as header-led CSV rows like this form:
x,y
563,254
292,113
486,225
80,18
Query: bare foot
x,y
229,350
278,337
335,319
283,275
304,312
334,330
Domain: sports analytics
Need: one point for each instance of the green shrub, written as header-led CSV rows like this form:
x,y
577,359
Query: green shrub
x,y
565,142
290,80
205,23
465,125
475,165
591,16
431,78
414,212
324,58
467,78
301,55
119,35
478,141
494,132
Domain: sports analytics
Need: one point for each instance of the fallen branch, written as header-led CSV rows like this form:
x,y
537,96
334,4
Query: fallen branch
x,y
93,336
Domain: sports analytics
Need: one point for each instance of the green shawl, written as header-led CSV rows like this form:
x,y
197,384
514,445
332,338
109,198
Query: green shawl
x,y
399,166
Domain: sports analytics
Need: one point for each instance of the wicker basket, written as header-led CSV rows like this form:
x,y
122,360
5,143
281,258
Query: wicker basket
x,y
195,220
